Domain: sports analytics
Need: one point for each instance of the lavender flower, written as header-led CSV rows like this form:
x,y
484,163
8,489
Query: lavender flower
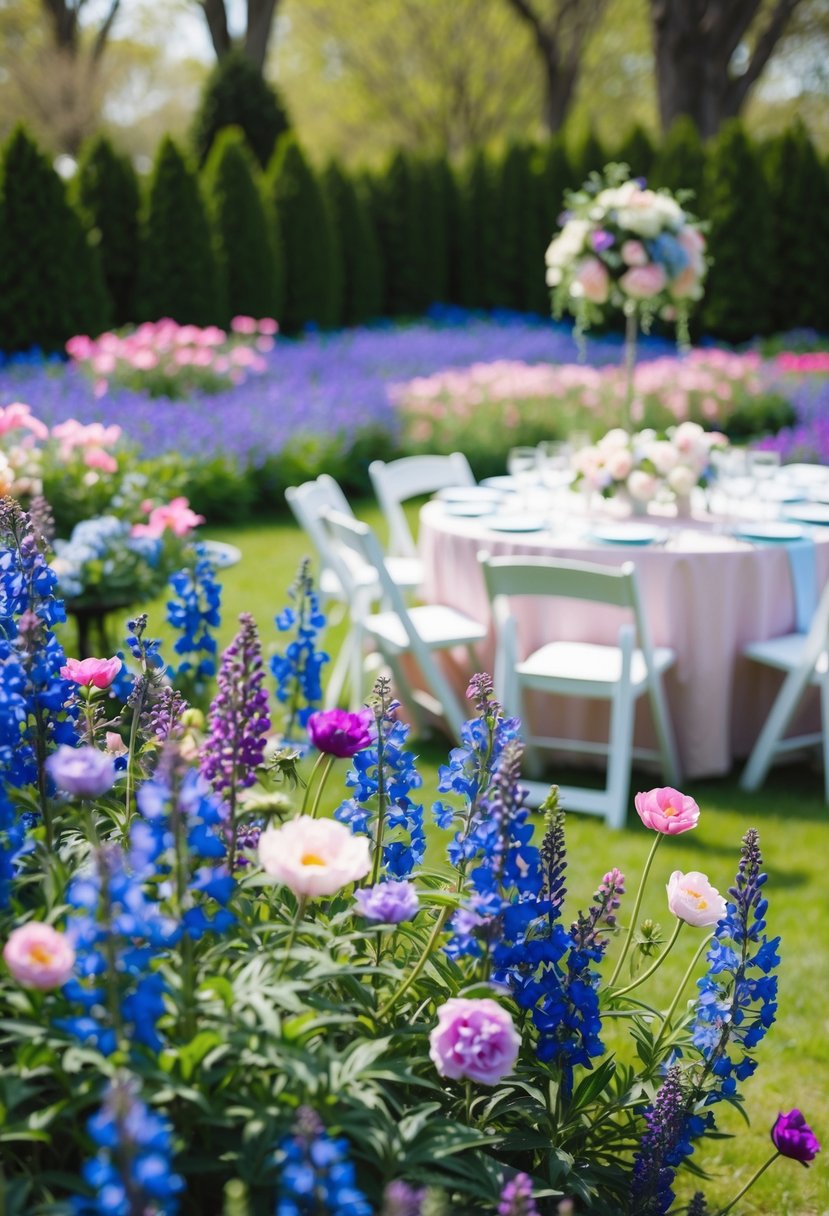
x,y
516,1198
389,903
400,1199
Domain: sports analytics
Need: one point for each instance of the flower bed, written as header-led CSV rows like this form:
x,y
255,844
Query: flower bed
x,y
213,987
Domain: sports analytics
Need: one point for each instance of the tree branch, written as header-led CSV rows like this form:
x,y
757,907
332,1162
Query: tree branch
x,y
104,31
739,86
257,35
216,17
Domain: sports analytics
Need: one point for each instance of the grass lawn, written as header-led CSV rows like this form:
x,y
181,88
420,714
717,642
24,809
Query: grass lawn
x,y
794,829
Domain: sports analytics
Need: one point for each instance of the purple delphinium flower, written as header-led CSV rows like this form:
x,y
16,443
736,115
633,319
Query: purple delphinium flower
x,y
661,1149
587,929
83,772
792,1137
340,733
516,1198
389,903
400,1199
601,240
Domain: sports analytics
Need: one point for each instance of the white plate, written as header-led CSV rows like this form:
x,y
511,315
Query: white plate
x,y
516,523
808,512
476,494
805,474
816,493
499,483
773,530
627,534
469,510
221,554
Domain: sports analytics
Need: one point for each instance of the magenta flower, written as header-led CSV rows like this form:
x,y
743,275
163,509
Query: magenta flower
x,y
666,810
388,903
82,771
340,733
475,1040
792,1137
38,956
98,673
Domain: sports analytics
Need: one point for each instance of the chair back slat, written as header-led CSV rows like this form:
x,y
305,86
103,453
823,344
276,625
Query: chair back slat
x,y
396,481
513,576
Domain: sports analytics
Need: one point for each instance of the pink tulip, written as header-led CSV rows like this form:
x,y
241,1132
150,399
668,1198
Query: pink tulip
x,y
692,898
38,956
666,810
88,673
314,857
474,1040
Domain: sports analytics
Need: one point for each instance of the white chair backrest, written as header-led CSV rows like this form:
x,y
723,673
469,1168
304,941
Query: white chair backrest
x,y
355,544
399,480
308,502
558,578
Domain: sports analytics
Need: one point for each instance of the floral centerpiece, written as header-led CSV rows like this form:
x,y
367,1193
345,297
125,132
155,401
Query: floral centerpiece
x,y
197,1017
625,249
648,464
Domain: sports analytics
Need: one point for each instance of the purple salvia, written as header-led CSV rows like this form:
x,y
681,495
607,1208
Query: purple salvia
x,y
400,1199
516,1198
653,1167
589,930
697,1206
162,721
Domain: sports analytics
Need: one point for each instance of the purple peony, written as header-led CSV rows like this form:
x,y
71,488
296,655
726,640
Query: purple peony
x,y
792,1137
340,733
82,771
474,1040
387,902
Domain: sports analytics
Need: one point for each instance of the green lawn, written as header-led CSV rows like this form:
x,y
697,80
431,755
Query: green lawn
x,y
794,829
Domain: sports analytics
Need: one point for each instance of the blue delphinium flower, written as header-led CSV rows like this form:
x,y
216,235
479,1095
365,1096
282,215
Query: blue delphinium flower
x,y
194,613
132,1170
736,1005
661,1150
298,671
316,1177
383,777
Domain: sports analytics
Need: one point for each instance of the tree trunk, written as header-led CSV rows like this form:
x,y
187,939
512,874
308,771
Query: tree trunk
x,y
257,35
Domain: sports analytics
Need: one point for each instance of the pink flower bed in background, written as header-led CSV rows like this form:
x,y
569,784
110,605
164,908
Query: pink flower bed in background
x,y
166,359
811,361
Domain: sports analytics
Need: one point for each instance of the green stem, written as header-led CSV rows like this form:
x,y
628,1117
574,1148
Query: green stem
x,y
635,914
631,329
136,714
749,1184
323,777
381,807
307,794
655,965
418,967
678,994
300,912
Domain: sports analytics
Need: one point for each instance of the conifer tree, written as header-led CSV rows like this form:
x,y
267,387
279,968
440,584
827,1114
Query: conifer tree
x,y
479,235
434,239
361,293
637,152
178,275
243,236
401,235
307,238
741,241
588,155
106,195
237,95
679,163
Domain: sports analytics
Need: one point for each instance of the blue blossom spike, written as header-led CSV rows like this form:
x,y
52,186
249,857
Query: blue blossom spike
x,y
662,1148
316,1177
298,670
194,614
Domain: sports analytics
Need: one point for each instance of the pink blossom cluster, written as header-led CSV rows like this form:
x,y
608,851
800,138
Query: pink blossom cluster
x,y
648,463
19,454
91,443
166,352
175,516
810,361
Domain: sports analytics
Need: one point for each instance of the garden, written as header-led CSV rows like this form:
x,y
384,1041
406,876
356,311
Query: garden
x,y
266,949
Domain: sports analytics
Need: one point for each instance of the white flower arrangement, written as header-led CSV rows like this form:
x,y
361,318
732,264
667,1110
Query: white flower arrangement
x,y
648,464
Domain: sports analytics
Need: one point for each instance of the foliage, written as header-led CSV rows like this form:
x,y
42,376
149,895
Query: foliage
x,y
237,95
244,233
398,216
518,270
304,223
739,294
178,275
679,162
362,292
50,276
479,233
106,194
637,152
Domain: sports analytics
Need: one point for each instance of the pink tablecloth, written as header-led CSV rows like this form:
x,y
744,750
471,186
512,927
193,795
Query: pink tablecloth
x,y
705,595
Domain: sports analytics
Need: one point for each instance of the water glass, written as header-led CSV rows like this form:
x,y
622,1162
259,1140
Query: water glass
x,y
764,467
522,465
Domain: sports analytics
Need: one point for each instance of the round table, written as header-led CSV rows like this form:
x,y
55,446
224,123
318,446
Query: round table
x,y
706,595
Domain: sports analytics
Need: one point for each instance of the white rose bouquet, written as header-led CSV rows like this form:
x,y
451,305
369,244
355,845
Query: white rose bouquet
x,y
648,464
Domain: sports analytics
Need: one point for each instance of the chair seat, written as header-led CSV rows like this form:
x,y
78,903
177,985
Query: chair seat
x,y
786,653
438,626
583,664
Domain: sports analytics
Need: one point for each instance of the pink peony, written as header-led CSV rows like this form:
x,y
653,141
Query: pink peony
x,y
692,898
643,282
313,856
38,956
175,515
98,673
593,280
667,810
97,458
634,253
475,1040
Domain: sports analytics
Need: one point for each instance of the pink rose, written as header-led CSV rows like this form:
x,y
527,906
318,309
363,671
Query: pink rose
x,y
643,282
38,956
313,856
619,464
634,253
667,810
175,515
87,673
97,458
594,281
692,898
243,325
474,1039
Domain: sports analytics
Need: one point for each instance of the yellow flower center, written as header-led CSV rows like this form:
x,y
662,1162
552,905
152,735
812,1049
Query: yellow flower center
x,y
40,954
670,811
311,859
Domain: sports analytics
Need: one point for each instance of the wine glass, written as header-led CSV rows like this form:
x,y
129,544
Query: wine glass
x,y
764,467
522,466
555,463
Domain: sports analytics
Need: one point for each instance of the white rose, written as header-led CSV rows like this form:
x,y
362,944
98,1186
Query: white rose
x,y
682,479
663,455
619,464
614,439
642,486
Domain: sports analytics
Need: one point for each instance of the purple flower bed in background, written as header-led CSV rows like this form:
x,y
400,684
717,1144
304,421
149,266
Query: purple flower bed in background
x,y
808,439
322,384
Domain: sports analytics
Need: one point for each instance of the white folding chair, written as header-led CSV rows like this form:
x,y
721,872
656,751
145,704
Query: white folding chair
x,y
804,659
619,674
400,630
307,502
397,481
